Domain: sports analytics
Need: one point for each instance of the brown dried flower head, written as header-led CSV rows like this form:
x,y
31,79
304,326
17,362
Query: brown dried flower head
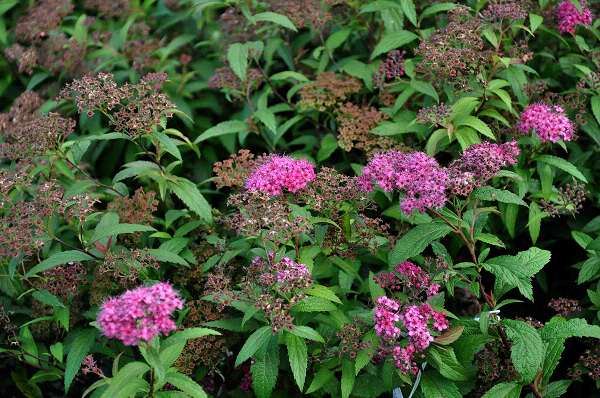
x,y
44,16
327,91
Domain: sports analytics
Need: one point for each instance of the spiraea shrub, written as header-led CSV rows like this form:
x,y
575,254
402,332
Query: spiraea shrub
x,y
283,198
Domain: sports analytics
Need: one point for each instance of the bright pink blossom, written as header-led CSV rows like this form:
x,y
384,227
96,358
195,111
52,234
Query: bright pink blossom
x,y
403,359
418,175
478,164
550,123
386,317
568,16
140,314
281,173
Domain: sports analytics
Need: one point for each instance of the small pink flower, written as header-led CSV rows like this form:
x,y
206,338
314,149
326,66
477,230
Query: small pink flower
x,y
281,173
386,316
550,123
568,16
418,175
140,314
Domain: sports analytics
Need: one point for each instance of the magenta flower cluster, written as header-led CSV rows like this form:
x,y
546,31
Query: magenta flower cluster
x,y
140,314
568,16
386,317
416,319
549,122
279,173
478,164
417,174
291,272
408,276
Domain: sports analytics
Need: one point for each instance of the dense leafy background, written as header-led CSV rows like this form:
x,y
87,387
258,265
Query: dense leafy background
x,y
333,82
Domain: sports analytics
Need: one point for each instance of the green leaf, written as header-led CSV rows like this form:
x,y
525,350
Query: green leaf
x,y
435,386
77,350
237,57
58,259
416,240
118,229
393,40
562,164
185,384
528,349
557,388
348,377
44,296
257,340
166,256
321,378
499,195
517,271
323,292
221,129
328,146
314,304
298,357
437,8
307,332
265,369
425,88
128,375
595,101
336,39
477,124
445,361
278,19
535,21
504,390
189,194
408,8
589,270
535,221
168,144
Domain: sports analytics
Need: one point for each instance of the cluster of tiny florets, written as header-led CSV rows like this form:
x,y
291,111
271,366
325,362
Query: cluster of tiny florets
x,y
418,175
391,68
478,164
281,173
549,122
417,320
568,16
140,314
410,278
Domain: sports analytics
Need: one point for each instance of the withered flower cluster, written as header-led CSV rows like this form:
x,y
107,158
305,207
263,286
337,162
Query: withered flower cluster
x,y
588,365
134,109
233,172
327,91
44,16
207,350
141,47
494,366
137,209
261,215
506,10
41,45
275,287
391,68
64,281
565,306
23,221
455,52
303,13
224,78
568,201
351,336
235,27
109,9
354,131
27,133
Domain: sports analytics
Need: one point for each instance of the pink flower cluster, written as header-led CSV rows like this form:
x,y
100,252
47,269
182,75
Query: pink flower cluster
x,y
417,174
280,173
291,272
568,16
140,314
408,275
416,319
479,163
386,317
549,122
